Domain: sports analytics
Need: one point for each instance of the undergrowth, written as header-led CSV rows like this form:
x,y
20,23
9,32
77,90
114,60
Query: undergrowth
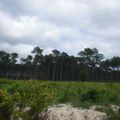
x,y
16,96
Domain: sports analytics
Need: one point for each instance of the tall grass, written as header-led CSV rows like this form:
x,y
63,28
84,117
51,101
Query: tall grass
x,y
39,95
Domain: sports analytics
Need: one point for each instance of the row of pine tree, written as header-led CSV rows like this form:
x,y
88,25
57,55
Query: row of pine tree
x,y
87,65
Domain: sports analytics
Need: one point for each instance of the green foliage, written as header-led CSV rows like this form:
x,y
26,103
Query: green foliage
x,y
112,115
15,96
90,95
6,105
91,56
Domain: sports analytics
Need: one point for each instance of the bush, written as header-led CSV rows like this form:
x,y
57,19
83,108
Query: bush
x,y
91,95
12,106
112,115
6,105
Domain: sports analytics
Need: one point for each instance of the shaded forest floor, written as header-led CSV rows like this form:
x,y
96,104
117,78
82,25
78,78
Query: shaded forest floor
x,y
37,96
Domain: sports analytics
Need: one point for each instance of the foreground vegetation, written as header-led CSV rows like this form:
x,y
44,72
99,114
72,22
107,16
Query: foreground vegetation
x,y
26,99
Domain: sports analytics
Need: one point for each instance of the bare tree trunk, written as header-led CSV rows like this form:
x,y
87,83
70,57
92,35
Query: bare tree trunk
x,y
54,70
72,73
48,71
61,72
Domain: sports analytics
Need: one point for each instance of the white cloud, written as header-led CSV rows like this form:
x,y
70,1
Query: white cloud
x,y
17,27
61,24
22,49
111,4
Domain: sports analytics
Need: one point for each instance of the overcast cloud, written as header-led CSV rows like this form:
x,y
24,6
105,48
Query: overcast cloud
x,y
66,25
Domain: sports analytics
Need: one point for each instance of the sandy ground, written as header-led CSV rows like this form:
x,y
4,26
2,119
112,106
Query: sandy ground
x,y
67,112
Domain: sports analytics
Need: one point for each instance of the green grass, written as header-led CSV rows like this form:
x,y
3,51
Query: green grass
x,y
40,94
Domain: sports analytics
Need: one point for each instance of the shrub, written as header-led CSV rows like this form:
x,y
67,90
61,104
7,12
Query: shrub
x,y
6,105
12,106
90,95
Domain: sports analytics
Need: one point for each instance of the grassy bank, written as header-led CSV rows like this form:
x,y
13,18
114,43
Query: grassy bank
x,y
38,95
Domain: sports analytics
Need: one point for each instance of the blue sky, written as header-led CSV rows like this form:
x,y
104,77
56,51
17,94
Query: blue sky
x,y
66,25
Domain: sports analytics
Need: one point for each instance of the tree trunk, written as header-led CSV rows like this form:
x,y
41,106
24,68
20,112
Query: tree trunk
x,y
54,70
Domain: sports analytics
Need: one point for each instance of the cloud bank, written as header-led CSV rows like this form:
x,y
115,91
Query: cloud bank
x,y
65,25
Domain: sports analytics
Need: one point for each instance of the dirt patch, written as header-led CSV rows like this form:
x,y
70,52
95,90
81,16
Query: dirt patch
x,y
67,112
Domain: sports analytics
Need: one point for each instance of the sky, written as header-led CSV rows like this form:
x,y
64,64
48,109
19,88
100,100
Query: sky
x,y
66,25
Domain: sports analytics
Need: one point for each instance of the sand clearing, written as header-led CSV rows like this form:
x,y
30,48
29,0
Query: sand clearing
x,y
67,112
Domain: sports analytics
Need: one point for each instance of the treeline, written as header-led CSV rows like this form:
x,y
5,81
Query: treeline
x,y
88,65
